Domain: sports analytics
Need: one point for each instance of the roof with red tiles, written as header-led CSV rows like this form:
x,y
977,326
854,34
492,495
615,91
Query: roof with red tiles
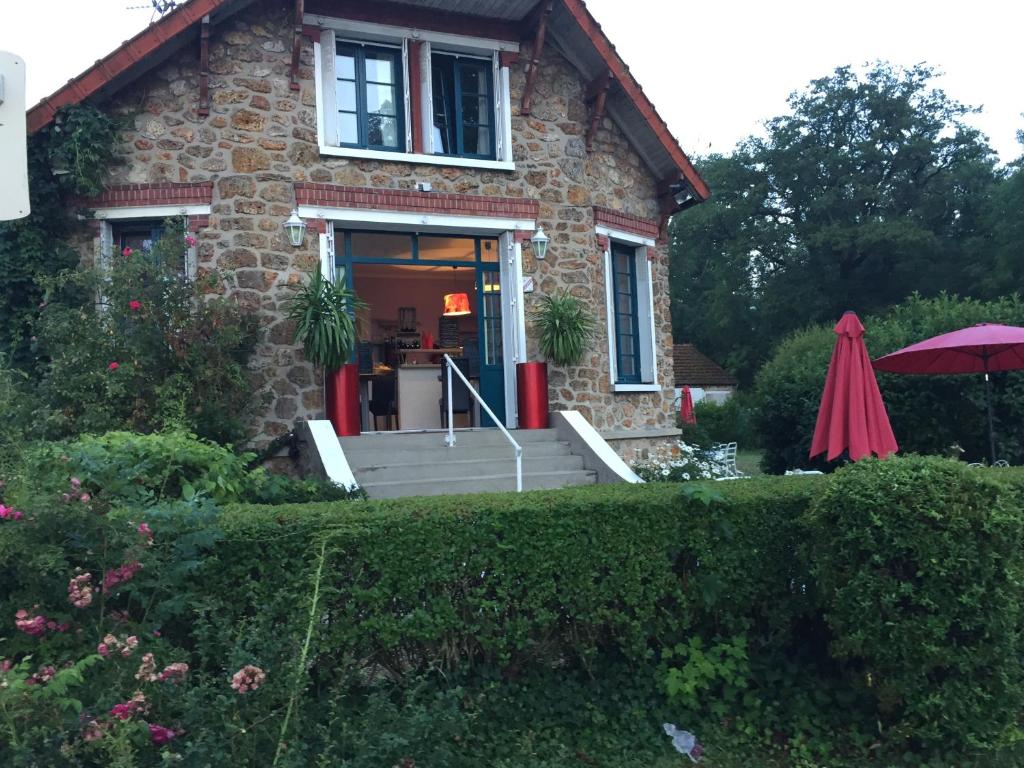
x,y
695,369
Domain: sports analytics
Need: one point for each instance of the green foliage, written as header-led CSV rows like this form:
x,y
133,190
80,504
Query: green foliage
x,y
16,405
929,414
565,326
517,631
79,144
324,315
728,422
135,469
920,566
872,186
136,345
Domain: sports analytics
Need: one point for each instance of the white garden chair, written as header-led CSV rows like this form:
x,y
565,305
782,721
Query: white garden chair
x,y
725,454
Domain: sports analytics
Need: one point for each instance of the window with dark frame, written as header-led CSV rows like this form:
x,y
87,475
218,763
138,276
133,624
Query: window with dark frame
x,y
142,235
463,106
370,97
627,314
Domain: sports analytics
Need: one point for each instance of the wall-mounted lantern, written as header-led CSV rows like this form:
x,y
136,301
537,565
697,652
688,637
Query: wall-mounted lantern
x,y
540,243
296,229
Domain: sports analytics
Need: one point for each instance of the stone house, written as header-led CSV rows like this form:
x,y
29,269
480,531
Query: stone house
x,y
423,143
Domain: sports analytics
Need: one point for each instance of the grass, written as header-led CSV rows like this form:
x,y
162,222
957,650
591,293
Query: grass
x,y
749,462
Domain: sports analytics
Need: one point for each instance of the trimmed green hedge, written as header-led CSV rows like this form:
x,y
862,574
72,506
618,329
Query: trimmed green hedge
x,y
526,630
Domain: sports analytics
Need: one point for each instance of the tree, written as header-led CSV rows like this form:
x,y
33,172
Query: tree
x,y
870,189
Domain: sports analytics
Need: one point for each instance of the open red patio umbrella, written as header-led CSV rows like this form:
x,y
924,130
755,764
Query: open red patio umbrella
x,y
852,415
983,348
686,413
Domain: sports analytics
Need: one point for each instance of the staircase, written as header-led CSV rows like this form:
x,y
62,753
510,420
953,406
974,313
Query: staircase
x,y
389,465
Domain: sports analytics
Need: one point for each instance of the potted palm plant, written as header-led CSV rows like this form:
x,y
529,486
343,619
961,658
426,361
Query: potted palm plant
x,y
565,326
325,326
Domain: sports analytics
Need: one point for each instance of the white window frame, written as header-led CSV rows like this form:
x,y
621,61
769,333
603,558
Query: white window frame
x,y
138,213
334,29
645,309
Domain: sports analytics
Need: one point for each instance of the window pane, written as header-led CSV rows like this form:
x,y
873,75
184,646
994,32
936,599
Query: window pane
x,y
476,141
625,322
448,248
380,99
627,367
489,252
382,131
474,80
380,67
349,127
346,95
345,66
444,104
381,245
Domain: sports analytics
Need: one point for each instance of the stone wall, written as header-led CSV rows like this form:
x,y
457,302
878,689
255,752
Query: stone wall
x,y
260,137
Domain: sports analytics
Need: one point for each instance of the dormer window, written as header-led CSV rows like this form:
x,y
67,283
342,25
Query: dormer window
x,y
391,93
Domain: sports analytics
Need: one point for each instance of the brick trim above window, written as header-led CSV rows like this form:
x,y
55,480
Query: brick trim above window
x,y
133,195
625,222
334,196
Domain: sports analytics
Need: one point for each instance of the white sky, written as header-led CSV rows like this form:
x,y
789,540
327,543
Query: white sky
x,y
715,69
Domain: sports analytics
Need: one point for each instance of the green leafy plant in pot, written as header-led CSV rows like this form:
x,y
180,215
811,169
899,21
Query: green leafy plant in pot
x,y
325,326
565,326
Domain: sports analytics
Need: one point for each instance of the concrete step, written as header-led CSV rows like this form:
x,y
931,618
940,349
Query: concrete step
x,y
445,471
476,438
359,457
480,484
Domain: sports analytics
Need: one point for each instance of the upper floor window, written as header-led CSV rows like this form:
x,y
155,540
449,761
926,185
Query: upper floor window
x,y
369,97
463,106
434,98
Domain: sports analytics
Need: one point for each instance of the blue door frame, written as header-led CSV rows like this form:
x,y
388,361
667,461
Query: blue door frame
x,y
488,306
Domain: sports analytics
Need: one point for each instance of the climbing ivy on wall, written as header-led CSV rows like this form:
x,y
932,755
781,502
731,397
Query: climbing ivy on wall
x,y
68,159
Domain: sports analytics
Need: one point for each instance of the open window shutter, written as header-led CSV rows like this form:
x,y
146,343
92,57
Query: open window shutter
x,y
408,96
426,99
499,109
328,88
645,302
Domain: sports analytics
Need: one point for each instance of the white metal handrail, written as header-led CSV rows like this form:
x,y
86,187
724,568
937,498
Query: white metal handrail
x,y
449,439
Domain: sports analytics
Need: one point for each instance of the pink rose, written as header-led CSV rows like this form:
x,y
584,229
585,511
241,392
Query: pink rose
x,y
126,252
135,305
113,367
159,735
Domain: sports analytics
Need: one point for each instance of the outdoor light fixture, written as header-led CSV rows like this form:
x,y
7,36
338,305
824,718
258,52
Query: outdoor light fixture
x,y
456,304
296,229
681,193
540,243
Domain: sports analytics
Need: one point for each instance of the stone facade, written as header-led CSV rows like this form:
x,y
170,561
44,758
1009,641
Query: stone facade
x,y
260,137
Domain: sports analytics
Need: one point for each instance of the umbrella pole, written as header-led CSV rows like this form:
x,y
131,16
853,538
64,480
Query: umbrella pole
x,y
991,429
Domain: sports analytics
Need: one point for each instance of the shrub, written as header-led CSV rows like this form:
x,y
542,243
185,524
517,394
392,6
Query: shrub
x,y
136,345
129,468
729,422
928,413
139,470
920,565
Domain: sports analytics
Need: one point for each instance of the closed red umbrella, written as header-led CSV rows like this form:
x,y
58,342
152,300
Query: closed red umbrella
x,y
686,407
852,415
983,348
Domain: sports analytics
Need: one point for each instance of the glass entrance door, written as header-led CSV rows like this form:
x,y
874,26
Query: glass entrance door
x,y
492,366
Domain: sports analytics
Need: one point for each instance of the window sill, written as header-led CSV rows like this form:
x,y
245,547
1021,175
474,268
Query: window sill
x,y
637,388
406,157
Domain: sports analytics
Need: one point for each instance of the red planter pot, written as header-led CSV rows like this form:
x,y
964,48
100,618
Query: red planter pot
x,y
532,386
343,400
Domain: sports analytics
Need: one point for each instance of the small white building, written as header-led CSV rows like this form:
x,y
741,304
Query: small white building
x,y
706,379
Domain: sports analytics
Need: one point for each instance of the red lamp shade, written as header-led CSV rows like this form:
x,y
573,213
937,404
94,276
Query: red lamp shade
x,y
456,304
